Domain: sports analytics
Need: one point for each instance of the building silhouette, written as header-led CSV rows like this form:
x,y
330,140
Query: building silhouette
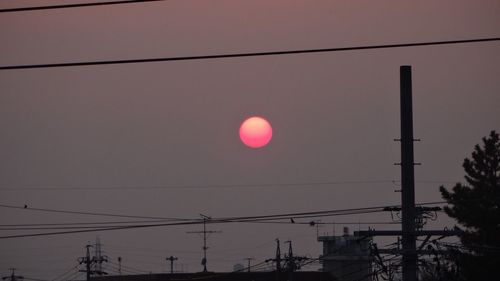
x,y
347,257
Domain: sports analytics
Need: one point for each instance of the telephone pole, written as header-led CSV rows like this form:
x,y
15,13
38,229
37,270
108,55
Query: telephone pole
x,y
407,177
96,260
277,260
293,263
205,233
409,230
171,259
87,260
290,262
13,276
278,256
120,265
249,260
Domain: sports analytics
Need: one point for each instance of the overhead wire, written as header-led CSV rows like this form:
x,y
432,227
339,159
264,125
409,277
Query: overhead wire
x,y
78,223
84,213
27,208
220,220
61,276
245,55
85,224
473,247
75,5
196,186
73,276
128,268
33,279
339,211
92,230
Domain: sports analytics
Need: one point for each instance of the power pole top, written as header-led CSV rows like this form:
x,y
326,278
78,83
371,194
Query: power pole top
x,y
172,259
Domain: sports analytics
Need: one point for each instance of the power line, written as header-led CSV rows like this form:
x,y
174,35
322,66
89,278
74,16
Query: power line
x,y
79,223
342,211
196,186
209,186
109,228
61,276
223,220
76,5
61,226
4,226
93,230
85,213
34,279
287,215
242,55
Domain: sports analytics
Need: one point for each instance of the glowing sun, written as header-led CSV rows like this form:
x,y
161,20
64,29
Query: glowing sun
x,y
256,132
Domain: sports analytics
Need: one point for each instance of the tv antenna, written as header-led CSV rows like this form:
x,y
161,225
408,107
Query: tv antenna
x,y
205,233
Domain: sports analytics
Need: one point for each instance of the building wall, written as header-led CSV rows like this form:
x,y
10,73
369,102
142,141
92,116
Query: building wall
x,y
347,257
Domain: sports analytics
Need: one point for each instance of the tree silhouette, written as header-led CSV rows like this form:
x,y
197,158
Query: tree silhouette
x,y
476,206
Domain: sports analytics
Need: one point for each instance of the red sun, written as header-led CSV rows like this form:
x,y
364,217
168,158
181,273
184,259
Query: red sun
x,y
256,132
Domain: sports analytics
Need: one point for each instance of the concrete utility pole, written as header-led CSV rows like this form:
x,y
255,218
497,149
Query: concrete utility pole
x,y
249,260
205,236
277,260
278,256
290,261
409,230
13,276
407,177
120,265
171,259
87,260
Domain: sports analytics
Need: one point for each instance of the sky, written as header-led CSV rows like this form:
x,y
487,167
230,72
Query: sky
x,y
161,139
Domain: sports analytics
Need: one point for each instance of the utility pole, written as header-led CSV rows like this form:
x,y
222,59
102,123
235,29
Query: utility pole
x,y
277,260
249,259
87,261
293,263
278,256
205,236
407,177
171,259
13,276
120,265
290,261
97,260
409,230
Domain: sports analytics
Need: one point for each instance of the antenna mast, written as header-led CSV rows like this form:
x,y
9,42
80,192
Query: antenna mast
x,y
205,233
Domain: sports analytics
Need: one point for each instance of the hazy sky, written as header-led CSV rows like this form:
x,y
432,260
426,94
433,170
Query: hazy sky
x,y
84,130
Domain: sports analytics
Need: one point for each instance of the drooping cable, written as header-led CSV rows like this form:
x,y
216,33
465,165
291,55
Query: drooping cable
x,y
244,55
75,5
